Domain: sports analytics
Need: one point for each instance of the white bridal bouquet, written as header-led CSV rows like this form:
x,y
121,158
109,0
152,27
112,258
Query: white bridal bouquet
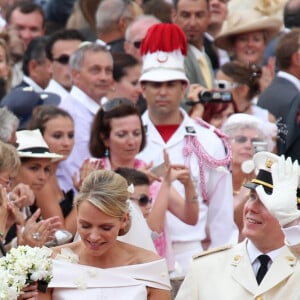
x,y
22,266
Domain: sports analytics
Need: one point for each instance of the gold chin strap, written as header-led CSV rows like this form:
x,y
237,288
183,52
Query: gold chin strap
x,y
263,183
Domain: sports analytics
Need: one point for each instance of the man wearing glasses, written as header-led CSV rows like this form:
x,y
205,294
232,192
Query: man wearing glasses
x,y
136,32
60,46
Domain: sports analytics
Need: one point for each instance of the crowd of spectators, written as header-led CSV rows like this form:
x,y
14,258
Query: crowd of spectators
x,y
130,131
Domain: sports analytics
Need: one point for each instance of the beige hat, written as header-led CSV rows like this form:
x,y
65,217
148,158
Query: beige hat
x,y
30,143
243,22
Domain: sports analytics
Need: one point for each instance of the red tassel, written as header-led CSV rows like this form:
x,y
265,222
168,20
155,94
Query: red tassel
x,y
164,37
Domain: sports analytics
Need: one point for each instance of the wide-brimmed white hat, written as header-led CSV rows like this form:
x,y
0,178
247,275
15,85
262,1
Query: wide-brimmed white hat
x,y
163,50
240,22
30,143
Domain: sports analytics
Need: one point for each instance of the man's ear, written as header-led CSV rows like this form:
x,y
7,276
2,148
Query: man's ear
x,y
173,15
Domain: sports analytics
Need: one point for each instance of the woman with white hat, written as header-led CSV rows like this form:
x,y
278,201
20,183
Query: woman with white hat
x,y
35,170
57,127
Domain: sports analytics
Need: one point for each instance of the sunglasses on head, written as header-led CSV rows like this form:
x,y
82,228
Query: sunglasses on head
x,y
143,200
137,44
112,104
225,85
63,59
241,139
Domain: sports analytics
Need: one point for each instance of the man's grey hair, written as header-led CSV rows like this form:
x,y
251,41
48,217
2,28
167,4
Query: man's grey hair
x,y
78,56
9,123
109,13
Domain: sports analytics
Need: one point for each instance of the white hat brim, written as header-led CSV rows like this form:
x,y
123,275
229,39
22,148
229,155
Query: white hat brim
x,y
162,75
53,156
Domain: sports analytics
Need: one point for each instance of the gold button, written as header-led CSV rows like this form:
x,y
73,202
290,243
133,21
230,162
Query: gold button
x,y
290,258
236,257
258,298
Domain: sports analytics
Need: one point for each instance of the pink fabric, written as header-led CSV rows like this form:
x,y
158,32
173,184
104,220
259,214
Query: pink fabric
x,y
162,243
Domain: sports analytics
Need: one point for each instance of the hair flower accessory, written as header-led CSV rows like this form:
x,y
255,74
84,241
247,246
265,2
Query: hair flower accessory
x,y
130,188
22,266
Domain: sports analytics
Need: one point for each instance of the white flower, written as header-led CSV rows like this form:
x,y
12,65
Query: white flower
x,y
130,188
68,255
21,266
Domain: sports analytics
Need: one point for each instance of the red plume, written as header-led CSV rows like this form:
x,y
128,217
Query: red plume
x,y
164,37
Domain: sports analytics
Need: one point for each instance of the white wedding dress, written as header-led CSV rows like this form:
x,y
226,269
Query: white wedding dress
x,y
72,281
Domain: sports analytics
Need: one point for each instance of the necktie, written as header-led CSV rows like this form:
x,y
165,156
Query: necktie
x,y
205,72
263,269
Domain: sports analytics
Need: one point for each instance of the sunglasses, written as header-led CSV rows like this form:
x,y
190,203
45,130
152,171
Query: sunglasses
x,y
241,139
114,103
225,85
63,59
137,44
143,200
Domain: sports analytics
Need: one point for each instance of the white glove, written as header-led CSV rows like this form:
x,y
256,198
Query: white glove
x,y
282,203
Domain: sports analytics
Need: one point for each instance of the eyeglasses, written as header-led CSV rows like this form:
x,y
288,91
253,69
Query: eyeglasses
x,y
114,103
6,182
143,200
63,59
225,85
241,139
136,44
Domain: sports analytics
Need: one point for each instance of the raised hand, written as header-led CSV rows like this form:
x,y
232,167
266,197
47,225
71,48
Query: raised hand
x,y
282,203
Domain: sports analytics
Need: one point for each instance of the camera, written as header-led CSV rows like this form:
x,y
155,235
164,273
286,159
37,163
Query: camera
x,y
214,96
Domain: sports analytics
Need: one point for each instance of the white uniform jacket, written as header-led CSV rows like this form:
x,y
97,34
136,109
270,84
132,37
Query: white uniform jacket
x,y
218,212
228,275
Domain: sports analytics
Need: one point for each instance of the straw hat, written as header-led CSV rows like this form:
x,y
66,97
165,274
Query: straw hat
x,y
30,143
244,22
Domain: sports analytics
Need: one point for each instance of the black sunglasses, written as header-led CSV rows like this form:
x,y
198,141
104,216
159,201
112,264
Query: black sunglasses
x,y
63,59
143,200
137,44
112,104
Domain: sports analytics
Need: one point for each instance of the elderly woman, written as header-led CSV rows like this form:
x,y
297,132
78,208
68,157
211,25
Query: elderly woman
x,y
247,135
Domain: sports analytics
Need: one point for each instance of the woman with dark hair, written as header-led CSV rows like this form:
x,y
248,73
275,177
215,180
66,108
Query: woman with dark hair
x,y
243,80
126,74
118,135
57,128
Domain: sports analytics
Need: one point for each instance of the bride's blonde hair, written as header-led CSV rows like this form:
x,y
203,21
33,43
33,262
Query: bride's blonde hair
x,y
107,191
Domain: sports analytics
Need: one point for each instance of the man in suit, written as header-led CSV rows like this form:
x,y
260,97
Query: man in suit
x,y
282,97
262,266
218,14
193,18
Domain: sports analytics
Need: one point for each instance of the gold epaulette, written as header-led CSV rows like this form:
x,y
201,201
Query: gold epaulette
x,y
211,251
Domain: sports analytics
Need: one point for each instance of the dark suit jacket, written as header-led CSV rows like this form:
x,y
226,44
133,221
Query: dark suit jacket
x,y
211,52
22,84
282,99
